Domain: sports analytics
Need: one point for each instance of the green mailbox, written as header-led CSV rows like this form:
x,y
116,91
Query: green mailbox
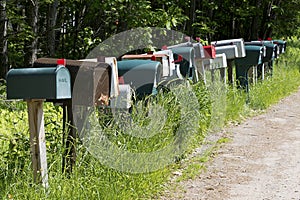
x,y
254,57
270,55
36,85
142,75
270,49
39,83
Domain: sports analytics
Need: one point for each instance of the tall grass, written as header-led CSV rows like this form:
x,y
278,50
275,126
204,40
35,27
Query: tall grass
x,y
217,104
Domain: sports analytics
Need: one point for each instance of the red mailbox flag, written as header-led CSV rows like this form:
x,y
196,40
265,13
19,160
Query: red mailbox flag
x,y
61,61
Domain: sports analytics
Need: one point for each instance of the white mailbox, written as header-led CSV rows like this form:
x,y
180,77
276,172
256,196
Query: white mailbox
x,y
216,63
169,67
231,51
238,42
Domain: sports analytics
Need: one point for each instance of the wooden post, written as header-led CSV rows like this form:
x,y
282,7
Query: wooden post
x,y
223,74
229,70
69,157
38,141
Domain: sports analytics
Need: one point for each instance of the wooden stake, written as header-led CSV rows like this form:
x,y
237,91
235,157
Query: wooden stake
x,y
38,141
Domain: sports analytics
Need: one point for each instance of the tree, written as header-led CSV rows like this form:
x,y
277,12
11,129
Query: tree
x,y
3,38
51,27
31,44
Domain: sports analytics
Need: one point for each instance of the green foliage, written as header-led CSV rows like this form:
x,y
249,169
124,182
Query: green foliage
x,y
81,25
277,87
90,179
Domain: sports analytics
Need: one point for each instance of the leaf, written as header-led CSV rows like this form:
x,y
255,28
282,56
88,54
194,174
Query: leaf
x,y
168,25
174,21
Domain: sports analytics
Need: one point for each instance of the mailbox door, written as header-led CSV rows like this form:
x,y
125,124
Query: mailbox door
x,y
63,83
270,54
199,51
210,51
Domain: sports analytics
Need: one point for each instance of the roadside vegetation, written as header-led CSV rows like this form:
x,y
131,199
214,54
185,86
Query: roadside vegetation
x,y
91,179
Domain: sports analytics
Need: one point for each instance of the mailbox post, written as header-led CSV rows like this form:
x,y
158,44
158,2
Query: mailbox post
x,y
35,85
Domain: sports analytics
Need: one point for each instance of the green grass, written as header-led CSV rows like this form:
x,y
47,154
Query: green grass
x,y
217,106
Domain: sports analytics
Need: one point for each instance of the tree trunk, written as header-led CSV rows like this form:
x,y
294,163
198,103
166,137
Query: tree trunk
x,y
3,38
233,22
35,31
190,11
264,20
273,17
255,22
31,47
52,18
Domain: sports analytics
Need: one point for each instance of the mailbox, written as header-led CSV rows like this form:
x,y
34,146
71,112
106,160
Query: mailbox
x,y
142,75
231,51
270,54
270,51
169,68
254,57
199,55
198,48
164,57
281,44
39,83
233,48
219,63
270,48
239,43
187,64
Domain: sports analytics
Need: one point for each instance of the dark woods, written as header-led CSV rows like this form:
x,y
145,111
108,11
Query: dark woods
x,y
58,28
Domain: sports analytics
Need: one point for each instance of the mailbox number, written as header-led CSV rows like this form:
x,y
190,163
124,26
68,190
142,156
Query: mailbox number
x,y
62,80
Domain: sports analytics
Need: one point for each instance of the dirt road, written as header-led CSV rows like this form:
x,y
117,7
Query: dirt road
x,y
262,162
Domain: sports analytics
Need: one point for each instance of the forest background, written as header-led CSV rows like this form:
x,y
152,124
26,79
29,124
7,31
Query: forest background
x,y
30,29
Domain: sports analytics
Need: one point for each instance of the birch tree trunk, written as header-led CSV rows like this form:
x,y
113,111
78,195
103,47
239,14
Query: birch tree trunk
x,y
3,38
